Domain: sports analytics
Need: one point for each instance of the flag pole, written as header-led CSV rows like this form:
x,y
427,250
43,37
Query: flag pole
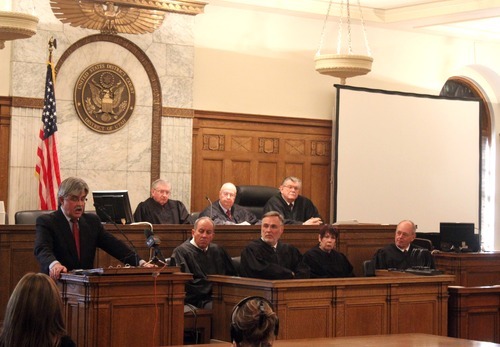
x,y
47,169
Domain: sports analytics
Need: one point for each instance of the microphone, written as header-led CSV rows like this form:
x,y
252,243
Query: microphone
x,y
210,201
108,217
153,242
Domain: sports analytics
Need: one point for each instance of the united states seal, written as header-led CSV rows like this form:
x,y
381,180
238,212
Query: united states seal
x,y
104,97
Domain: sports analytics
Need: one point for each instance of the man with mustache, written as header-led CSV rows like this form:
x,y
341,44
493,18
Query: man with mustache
x,y
269,258
67,239
295,208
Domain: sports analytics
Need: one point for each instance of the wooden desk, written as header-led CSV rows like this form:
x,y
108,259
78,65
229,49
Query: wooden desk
x,y
474,313
471,269
340,307
125,307
358,242
397,340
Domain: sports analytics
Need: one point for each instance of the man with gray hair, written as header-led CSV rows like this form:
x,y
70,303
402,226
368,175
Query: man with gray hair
x,y
295,208
67,239
201,257
269,258
225,211
160,209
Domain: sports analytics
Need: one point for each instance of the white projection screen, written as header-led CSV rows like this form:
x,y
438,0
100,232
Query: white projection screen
x,y
406,156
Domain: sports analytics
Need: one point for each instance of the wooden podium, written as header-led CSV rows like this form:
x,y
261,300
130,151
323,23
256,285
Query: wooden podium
x,y
125,307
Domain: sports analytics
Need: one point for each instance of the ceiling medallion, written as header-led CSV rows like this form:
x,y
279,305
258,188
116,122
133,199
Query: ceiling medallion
x,y
121,16
347,64
16,25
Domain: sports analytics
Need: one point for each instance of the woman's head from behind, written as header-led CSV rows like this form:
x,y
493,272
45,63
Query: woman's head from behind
x,y
33,316
254,323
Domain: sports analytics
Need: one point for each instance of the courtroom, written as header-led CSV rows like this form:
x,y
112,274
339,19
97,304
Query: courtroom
x,y
249,173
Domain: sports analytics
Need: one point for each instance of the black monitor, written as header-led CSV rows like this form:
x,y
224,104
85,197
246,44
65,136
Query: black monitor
x,y
113,206
458,237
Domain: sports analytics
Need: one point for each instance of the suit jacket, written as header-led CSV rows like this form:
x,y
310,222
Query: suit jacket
x,y
239,214
54,241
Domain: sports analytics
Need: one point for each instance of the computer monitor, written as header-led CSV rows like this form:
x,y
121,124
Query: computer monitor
x,y
113,206
458,237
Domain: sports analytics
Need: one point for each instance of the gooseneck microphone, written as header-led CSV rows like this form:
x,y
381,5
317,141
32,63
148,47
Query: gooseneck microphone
x,y
210,201
153,242
109,219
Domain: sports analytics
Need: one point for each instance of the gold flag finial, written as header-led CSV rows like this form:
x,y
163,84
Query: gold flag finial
x,y
52,46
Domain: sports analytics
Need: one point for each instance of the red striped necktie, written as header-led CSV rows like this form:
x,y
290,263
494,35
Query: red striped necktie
x,y
76,235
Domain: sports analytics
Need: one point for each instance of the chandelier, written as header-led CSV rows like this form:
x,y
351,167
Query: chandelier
x,y
16,25
344,64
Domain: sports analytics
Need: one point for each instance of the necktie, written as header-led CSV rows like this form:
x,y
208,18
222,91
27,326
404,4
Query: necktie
x,y
76,235
290,207
228,213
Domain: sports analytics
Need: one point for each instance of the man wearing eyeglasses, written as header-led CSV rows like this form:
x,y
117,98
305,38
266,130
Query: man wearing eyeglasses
x,y
295,208
225,211
67,239
160,209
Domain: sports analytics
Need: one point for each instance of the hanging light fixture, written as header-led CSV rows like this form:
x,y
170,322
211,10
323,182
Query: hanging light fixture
x,y
343,64
16,25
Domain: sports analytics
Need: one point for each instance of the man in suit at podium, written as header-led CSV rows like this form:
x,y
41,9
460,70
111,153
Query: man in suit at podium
x,y
67,239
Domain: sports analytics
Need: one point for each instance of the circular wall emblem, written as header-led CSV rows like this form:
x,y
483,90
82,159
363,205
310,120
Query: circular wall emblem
x,y
104,97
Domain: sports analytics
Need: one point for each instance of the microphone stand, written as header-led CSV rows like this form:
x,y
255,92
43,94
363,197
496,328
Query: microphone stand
x,y
153,242
210,201
108,217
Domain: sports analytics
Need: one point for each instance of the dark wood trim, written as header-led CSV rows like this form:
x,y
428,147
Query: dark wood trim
x,y
5,131
154,81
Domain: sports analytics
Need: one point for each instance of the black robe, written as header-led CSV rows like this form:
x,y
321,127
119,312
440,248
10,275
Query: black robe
x,y
173,212
239,214
303,209
391,257
215,261
327,265
259,260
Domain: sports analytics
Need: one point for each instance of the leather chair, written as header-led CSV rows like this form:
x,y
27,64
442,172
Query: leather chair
x,y
29,216
424,243
368,268
254,197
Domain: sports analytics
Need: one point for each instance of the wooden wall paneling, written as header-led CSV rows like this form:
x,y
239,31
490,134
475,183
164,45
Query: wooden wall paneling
x,y
258,150
362,312
320,188
5,128
474,313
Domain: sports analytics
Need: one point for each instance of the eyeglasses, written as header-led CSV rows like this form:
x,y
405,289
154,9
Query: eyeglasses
x,y
228,194
163,192
74,198
292,187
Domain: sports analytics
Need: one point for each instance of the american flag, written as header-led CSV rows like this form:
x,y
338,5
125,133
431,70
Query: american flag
x,y
47,169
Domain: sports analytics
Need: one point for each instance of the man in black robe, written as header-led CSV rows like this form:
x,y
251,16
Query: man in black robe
x,y
295,208
269,258
402,254
323,260
200,257
159,209
225,211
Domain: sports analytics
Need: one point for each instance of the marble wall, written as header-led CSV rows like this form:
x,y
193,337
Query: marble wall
x,y
120,160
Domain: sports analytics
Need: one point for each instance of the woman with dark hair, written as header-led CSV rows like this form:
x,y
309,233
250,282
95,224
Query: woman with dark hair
x,y
254,323
323,260
33,317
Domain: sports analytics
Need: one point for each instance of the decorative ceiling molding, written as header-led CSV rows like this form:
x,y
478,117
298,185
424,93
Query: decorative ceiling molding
x,y
121,16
